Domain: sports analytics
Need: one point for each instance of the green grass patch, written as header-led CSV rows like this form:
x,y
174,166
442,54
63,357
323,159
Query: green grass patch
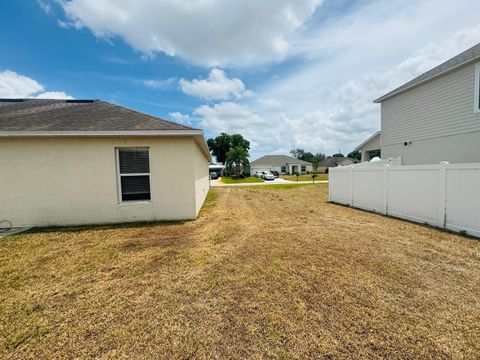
x,y
237,180
305,177
211,197
218,239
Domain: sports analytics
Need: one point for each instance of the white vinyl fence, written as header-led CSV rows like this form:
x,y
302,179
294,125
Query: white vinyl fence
x,y
443,195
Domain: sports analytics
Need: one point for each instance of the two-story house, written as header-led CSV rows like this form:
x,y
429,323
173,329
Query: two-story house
x,y
436,116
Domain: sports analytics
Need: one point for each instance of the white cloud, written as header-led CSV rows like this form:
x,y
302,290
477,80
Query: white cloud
x,y
216,87
54,95
13,85
160,84
320,114
180,118
321,99
206,32
231,117
328,100
46,7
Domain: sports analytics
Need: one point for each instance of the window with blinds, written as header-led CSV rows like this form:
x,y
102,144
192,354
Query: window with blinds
x,y
134,174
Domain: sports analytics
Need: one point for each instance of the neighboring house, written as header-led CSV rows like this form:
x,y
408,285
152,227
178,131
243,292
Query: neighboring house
x,y
370,148
281,163
218,168
436,116
334,161
69,162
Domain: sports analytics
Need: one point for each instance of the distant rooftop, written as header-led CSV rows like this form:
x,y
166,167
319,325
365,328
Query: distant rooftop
x,y
34,115
332,161
461,59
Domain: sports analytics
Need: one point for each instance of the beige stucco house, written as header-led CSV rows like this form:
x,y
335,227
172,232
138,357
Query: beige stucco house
x,y
436,116
69,162
281,163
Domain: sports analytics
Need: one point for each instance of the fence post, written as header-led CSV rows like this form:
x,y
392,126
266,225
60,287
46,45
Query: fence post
x,y
351,186
385,189
329,188
442,195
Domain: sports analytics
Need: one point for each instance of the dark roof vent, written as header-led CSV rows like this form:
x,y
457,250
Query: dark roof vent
x,y
80,101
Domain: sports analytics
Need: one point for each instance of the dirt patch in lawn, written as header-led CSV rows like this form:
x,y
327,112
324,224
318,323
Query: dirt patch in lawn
x,y
263,273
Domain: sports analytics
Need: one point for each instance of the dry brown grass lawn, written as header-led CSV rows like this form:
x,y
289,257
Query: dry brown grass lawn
x,y
264,273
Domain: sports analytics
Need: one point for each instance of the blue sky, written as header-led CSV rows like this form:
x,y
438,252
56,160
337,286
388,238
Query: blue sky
x,y
286,73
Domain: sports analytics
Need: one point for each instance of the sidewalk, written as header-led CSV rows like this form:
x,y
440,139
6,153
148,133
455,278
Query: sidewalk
x,y
278,181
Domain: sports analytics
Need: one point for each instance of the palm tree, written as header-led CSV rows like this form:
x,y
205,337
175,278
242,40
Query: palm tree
x,y
238,156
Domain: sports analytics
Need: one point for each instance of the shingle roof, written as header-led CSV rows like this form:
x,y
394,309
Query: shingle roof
x,y
461,59
278,160
76,115
332,161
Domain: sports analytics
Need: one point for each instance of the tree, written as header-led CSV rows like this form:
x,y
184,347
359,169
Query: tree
x,y
338,155
355,155
222,144
316,159
297,153
320,156
238,156
238,140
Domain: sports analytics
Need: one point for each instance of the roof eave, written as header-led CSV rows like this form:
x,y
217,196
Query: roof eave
x,y
100,133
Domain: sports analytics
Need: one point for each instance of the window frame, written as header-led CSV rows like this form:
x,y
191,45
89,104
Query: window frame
x,y
303,168
476,102
119,175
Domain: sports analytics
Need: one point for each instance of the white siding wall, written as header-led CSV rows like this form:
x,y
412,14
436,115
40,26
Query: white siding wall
x,y
461,148
68,181
437,109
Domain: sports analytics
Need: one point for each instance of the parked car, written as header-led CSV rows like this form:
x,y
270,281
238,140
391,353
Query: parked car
x,y
267,175
214,175
258,174
275,173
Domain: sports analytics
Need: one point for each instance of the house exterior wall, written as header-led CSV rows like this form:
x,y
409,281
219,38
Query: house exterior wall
x,y
202,178
461,148
70,181
436,117
288,167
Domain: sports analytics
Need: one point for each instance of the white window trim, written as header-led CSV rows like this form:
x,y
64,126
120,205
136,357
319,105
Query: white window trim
x,y
476,102
119,176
